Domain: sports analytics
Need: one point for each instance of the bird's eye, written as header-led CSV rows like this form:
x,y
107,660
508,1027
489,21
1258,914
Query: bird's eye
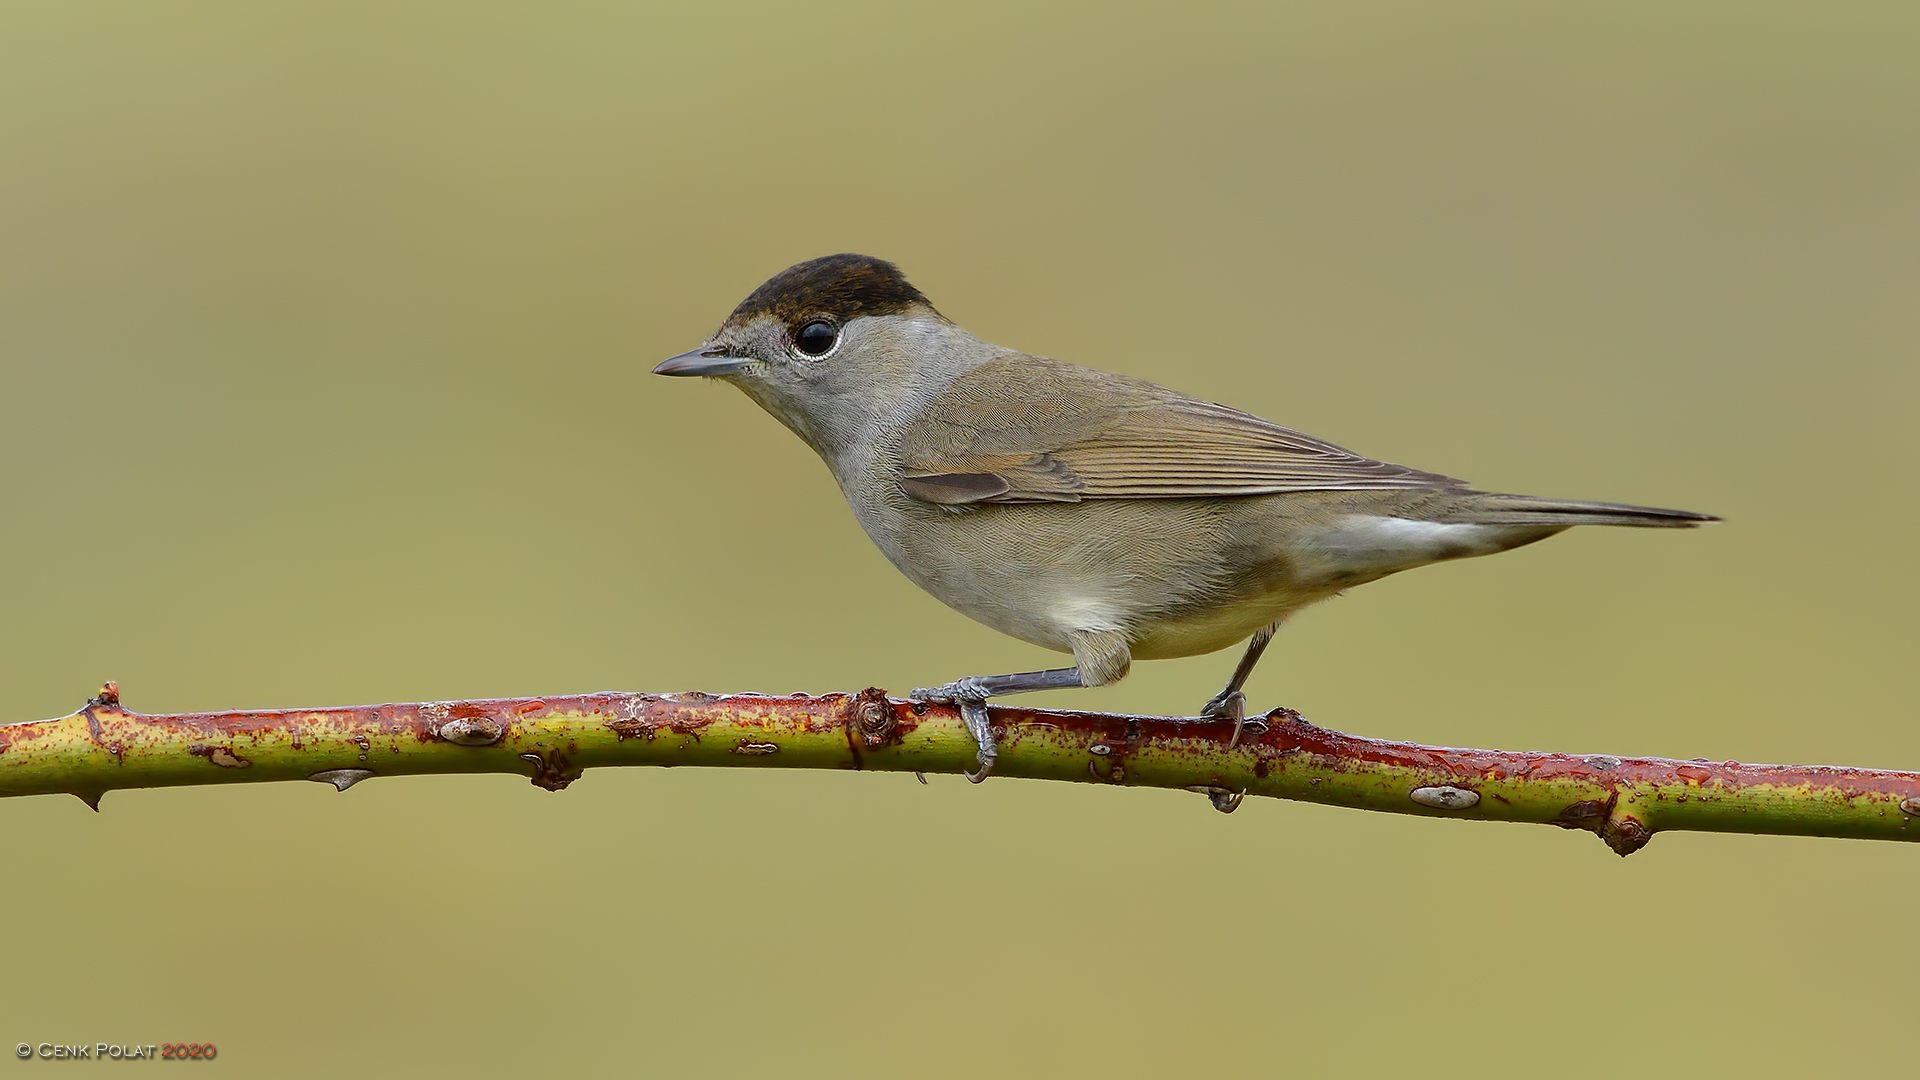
x,y
816,338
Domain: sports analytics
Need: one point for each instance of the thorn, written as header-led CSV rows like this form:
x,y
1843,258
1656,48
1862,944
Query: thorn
x,y
922,777
341,779
109,695
92,799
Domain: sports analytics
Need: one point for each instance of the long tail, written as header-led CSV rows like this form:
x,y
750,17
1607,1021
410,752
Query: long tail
x,y
1491,509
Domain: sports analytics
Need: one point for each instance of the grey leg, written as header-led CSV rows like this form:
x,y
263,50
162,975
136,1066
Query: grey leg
x,y
971,693
1231,704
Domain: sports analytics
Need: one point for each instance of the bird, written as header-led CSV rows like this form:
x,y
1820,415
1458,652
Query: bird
x,y
1084,511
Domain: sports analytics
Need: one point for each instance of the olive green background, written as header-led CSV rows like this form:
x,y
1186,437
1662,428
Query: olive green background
x,y
324,346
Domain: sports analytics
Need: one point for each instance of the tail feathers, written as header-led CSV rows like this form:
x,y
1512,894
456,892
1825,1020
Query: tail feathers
x,y
1488,509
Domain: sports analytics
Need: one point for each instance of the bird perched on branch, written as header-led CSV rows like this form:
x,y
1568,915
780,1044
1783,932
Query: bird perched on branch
x,y
1083,511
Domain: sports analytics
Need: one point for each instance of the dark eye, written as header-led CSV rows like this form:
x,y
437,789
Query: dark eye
x,y
816,338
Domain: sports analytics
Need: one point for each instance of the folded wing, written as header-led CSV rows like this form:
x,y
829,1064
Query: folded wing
x,y
1025,429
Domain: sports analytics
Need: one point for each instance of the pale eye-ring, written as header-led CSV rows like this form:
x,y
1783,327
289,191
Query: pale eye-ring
x,y
816,338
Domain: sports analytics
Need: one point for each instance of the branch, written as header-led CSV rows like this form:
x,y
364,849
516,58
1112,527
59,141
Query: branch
x,y
1624,800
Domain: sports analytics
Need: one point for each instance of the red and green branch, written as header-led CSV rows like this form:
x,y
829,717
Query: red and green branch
x,y
103,747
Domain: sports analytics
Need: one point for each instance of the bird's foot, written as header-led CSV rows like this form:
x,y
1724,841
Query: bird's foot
x,y
1226,705
1232,705
970,698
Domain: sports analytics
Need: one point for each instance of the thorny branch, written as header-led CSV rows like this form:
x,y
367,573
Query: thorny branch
x,y
1625,801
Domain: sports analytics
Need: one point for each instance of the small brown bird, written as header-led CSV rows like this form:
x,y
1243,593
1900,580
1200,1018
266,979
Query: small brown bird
x,y
1080,510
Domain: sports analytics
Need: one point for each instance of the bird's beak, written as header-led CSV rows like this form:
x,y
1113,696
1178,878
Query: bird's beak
x,y
710,360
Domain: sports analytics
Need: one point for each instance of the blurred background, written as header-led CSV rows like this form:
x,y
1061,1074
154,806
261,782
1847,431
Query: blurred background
x,y
324,345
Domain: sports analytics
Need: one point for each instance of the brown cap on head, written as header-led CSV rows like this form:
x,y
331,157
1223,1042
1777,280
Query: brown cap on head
x,y
835,287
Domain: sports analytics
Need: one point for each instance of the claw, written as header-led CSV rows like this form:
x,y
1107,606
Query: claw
x,y
974,711
1223,800
1228,705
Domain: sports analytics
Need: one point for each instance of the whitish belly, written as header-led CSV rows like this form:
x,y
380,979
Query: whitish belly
x,y
1218,628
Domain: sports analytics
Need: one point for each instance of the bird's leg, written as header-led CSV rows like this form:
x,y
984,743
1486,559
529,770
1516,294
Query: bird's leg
x,y
970,696
1230,703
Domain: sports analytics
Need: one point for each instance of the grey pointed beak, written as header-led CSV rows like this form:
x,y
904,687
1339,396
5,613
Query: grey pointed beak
x,y
704,361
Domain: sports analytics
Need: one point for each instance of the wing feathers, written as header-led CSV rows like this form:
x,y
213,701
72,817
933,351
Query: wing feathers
x,y
955,489
1027,429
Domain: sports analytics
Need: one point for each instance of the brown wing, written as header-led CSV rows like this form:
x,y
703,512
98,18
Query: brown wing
x,y
1027,429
